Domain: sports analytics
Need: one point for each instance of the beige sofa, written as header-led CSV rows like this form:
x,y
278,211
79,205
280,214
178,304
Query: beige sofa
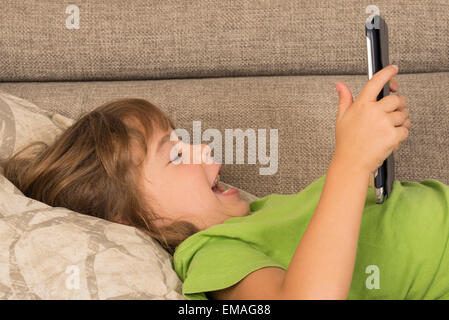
x,y
240,64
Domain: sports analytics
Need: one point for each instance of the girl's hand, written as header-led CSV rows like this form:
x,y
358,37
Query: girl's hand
x,y
394,85
368,131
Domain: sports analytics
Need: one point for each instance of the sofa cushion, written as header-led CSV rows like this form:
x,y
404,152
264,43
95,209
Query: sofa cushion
x,y
143,39
302,108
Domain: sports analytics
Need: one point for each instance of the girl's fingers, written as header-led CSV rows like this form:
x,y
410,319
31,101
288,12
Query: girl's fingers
x,y
394,85
398,118
392,102
402,133
371,90
407,123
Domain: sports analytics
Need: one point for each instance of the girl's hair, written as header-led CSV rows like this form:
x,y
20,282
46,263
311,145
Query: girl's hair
x,y
93,168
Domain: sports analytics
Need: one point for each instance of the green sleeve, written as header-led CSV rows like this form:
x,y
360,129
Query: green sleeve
x,y
220,264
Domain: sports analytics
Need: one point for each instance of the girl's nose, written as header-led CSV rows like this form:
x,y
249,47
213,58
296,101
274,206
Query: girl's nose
x,y
206,154
201,154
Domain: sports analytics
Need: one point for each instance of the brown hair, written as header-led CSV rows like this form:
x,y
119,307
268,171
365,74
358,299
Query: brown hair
x,y
90,168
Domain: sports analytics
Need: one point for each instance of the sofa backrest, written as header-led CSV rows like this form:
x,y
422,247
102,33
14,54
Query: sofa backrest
x,y
141,39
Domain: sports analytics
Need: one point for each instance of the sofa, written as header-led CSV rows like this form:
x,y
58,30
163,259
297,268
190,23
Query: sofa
x,y
264,64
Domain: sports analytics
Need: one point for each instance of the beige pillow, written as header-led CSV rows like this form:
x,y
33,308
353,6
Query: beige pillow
x,y
55,253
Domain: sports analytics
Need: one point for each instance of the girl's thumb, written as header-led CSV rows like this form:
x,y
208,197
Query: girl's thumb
x,y
344,98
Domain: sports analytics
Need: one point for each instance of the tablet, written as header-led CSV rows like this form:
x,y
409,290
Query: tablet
x,y
376,31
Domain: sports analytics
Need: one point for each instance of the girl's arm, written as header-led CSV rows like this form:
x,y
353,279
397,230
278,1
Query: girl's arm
x,y
366,132
323,263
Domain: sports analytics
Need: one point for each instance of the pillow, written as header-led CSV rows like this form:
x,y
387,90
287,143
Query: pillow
x,y
55,253
22,122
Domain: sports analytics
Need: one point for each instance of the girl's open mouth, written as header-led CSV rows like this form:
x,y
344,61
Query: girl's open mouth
x,y
219,190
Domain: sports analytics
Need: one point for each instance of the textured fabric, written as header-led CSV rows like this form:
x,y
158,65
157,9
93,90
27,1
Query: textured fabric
x,y
54,253
22,122
303,109
141,39
70,244
402,250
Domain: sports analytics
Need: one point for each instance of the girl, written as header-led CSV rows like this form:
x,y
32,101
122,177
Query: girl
x,y
117,163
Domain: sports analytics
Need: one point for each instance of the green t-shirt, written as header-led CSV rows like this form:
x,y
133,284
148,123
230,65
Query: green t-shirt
x,y
401,254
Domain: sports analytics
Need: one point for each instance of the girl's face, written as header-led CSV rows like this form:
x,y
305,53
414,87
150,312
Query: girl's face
x,y
179,190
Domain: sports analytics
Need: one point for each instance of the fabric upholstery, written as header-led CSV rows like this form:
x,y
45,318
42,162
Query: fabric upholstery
x,y
140,39
303,109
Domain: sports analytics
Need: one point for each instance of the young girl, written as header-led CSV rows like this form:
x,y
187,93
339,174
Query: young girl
x,y
117,163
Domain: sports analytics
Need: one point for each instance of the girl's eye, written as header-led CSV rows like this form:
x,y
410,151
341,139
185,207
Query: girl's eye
x,y
178,157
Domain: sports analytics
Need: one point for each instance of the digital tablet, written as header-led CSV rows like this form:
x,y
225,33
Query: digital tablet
x,y
376,31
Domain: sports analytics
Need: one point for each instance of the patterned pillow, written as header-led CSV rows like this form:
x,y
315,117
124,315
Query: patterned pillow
x,y
55,253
